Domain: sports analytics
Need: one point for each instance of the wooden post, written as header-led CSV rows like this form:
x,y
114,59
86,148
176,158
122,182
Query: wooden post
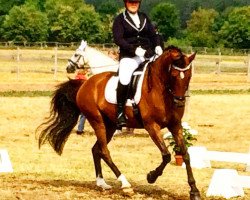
x,y
219,61
193,71
56,64
248,71
18,63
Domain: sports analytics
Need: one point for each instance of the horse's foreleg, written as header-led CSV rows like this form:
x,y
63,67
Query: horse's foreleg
x,y
194,193
166,156
153,175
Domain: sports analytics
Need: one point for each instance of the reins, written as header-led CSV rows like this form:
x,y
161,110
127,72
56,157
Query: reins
x,y
75,63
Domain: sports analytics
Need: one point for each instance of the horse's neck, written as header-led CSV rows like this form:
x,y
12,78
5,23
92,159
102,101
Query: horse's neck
x,y
98,59
159,73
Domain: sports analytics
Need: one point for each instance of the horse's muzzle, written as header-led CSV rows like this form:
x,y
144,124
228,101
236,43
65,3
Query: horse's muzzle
x,y
70,69
179,101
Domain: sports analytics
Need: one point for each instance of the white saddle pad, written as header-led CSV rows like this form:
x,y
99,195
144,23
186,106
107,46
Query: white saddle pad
x,y
110,89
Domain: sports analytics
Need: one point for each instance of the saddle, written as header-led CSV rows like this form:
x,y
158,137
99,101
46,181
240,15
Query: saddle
x,y
135,85
134,90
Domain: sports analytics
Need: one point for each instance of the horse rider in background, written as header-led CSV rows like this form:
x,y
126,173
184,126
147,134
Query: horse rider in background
x,y
136,37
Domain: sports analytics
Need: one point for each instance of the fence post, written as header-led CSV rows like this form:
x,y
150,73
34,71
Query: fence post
x,y
248,71
55,64
218,71
18,63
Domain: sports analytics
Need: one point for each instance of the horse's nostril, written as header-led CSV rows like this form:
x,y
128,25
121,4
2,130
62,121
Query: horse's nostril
x,y
70,69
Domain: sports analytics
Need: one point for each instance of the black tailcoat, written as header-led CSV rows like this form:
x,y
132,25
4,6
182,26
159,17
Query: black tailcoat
x,y
128,37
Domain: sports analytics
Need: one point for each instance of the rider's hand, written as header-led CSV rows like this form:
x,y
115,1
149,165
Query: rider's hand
x,y
158,50
140,52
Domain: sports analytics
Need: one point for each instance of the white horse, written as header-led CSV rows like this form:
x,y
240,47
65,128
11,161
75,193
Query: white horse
x,y
95,59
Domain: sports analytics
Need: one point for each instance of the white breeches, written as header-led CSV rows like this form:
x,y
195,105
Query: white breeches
x,y
127,67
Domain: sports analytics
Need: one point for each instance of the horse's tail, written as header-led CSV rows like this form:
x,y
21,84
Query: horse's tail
x,y
63,117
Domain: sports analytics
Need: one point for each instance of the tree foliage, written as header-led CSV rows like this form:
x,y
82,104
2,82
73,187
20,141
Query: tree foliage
x,y
191,22
200,26
5,6
25,23
69,24
167,19
235,31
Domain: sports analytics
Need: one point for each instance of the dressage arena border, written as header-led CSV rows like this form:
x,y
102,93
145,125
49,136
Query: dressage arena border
x,y
227,183
5,164
224,182
201,157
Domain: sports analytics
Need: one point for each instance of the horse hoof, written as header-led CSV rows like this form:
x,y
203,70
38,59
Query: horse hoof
x,y
128,191
151,177
195,196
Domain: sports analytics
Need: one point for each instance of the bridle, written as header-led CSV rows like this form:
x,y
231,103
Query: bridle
x,y
179,101
75,63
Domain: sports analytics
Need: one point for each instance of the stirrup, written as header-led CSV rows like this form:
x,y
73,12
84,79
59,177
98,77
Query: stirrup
x,y
121,121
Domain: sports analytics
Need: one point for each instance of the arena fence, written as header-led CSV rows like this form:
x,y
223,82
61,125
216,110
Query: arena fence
x,y
52,58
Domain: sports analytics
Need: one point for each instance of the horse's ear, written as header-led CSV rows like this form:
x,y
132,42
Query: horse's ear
x,y
83,45
191,58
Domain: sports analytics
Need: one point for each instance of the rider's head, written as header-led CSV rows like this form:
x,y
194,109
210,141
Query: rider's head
x,y
132,5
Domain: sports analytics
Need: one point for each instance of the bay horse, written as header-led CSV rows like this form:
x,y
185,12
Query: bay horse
x,y
161,105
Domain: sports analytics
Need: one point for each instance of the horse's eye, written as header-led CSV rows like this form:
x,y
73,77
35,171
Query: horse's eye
x,y
76,55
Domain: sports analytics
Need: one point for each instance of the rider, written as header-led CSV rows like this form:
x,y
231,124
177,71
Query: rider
x,y
135,35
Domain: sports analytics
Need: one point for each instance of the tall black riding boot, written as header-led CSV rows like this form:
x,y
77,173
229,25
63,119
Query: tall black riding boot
x,y
121,97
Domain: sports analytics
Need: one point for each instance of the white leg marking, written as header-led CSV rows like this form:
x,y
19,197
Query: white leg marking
x,y
100,182
125,183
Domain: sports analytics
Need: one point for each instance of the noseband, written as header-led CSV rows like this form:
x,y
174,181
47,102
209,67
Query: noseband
x,y
179,101
75,64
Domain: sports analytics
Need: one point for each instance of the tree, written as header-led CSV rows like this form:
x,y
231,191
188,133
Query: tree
x,y
25,23
70,24
5,6
107,8
199,27
186,7
39,4
235,31
166,16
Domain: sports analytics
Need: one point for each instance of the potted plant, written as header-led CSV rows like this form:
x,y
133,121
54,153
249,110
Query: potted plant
x,y
189,137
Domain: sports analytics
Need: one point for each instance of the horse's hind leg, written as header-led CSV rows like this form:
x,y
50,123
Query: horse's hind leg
x,y
100,182
178,136
100,150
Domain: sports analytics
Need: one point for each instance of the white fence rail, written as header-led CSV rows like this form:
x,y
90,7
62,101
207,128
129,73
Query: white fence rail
x,y
53,60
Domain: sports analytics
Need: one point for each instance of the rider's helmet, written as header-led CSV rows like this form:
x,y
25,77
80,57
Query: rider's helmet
x,y
132,1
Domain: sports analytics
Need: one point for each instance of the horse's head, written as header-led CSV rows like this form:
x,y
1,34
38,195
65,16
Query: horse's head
x,y
78,59
180,72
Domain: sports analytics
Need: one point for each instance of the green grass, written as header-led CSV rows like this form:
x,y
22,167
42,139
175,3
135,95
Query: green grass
x,y
228,91
13,93
37,93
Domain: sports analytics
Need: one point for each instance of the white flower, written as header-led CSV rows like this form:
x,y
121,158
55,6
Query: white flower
x,y
167,135
193,132
185,125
